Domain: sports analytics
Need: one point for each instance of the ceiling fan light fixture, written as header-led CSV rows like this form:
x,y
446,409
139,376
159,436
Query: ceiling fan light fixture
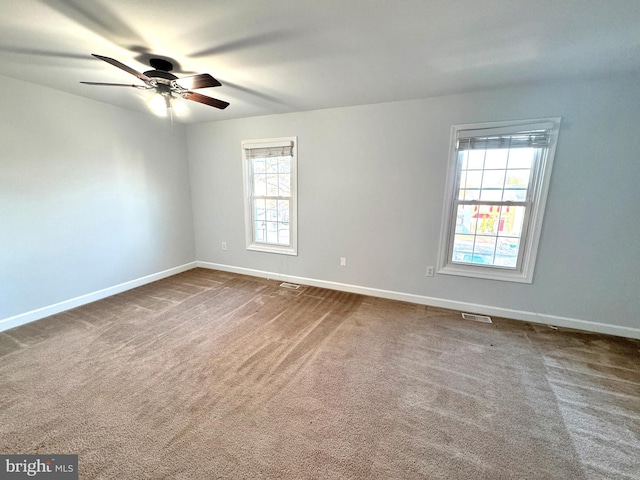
x,y
157,105
178,106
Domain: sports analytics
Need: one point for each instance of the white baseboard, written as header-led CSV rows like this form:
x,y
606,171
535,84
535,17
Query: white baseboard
x,y
523,315
33,315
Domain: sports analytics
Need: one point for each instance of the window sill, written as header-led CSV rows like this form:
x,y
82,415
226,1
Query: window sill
x,y
261,247
487,273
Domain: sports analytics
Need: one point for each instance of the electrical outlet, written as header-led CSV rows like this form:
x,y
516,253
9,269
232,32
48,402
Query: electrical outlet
x,y
429,272
343,261
224,245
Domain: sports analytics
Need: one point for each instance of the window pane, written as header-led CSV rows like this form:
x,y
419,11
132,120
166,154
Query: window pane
x,y
463,179
507,251
470,195
258,165
511,222
283,234
486,218
272,185
272,232
259,185
283,210
284,182
284,165
515,195
465,223
521,157
493,179
491,195
462,246
272,210
496,158
474,179
484,248
272,165
476,159
259,232
259,209
463,157
518,178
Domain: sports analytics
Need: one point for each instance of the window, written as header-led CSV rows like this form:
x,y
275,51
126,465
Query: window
x,y
270,194
496,191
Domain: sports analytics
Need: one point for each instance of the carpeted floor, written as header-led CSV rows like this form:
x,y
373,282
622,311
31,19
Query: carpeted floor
x,y
215,375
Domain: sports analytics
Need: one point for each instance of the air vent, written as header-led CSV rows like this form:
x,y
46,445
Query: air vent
x,y
476,318
291,286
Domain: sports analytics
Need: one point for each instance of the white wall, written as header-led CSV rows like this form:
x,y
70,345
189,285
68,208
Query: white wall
x,y
91,196
371,185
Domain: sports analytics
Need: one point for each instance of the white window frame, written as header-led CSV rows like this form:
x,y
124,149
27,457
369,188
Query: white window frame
x,y
536,201
251,243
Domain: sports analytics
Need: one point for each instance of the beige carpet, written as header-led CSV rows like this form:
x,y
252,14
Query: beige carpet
x,y
214,375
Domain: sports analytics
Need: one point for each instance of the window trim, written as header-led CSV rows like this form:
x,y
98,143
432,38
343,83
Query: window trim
x,y
252,245
532,227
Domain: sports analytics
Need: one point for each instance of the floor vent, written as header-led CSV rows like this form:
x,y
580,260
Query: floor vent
x,y
476,318
291,286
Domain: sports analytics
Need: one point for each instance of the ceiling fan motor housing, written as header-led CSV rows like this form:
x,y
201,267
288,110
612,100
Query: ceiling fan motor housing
x,y
161,71
161,74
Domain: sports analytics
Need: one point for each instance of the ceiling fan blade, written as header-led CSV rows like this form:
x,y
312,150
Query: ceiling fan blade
x,y
122,66
116,85
194,82
213,102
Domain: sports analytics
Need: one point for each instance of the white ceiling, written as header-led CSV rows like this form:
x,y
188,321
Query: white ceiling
x,y
275,56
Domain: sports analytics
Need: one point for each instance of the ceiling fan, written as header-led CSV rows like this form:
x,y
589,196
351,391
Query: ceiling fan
x,y
168,87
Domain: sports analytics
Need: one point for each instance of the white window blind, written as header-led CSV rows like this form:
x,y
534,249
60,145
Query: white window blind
x,y
530,139
268,150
